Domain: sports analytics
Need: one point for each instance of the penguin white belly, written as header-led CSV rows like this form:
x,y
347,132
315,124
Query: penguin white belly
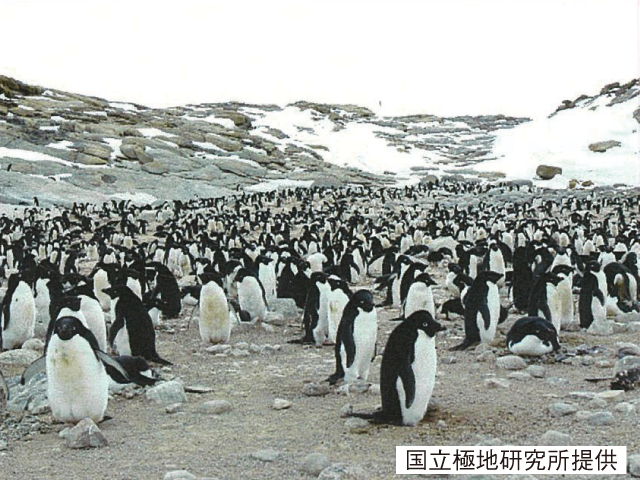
x,y
493,300
22,318
530,346
100,282
250,298
555,306
565,297
78,385
365,330
599,310
321,332
134,285
42,301
155,313
215,322
395,292
337,301
420,297
121,342
268,278
496,263
424,371
94,316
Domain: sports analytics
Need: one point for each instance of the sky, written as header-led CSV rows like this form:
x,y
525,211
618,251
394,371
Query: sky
x,y
443,57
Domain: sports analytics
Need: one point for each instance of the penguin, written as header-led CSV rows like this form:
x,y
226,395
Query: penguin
x,y
215,320
103,277
482,310
77,381
266,273
137,369
132,330
92,312
18,314
420,296
543,301
564,295
408,371
532,337
338,296
166,289
522,278
315,316
593,295
355,346
251,295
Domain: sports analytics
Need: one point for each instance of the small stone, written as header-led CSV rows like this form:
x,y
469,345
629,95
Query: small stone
x,y
357,425
512,362
174,408
441,424
597,403
281,404
522,376
4,446
486,357
242,346
603,418
346,410
626,363
274,318
239,353
267,455
34,344
625,408
547,172
179,475
167,393
560,409
536,371
313,389
216,349
215,407
343,471
634,465
85,434
555,381
18,358
314,463
496,383
611,395
555,439
604,363
581,395
374,389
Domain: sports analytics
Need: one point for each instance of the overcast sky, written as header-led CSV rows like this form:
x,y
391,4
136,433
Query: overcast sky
x,y
447,57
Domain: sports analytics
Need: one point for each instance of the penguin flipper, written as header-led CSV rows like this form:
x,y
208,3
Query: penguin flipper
x,y
4,387
349,344
408,379
113,363
37,366
486,315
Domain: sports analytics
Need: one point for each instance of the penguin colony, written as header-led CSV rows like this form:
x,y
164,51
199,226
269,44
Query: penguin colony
x,y
101,280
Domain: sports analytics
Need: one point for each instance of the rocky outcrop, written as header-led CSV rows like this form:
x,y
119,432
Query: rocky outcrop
x,y
547,172
601,147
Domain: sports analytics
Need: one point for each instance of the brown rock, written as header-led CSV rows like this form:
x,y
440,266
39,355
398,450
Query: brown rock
x,y
547,172
90,160
155,168
601,147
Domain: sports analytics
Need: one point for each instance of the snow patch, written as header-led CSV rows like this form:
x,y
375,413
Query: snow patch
x,y
278,184
124,106
31,156
115,144
137,197
154,132
62,145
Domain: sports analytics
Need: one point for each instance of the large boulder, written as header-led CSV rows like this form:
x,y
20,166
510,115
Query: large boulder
x,y
601,147
547,172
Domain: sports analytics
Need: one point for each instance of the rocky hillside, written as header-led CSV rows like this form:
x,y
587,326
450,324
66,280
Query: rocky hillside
x,y
64,147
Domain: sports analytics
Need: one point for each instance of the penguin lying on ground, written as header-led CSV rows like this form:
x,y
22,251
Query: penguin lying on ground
x,y
408,371
532,337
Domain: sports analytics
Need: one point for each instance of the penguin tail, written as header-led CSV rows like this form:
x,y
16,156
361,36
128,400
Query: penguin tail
x,y
333,379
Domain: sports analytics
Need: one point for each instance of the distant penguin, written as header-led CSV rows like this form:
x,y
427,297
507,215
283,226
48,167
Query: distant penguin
x,y
251,294
315,316
592,303
482,310
166,289
215,320
532,337
103,276
356,339
337,298
543,301
18,315
408,371
132,330
77,382
564,295
420,296
522,279
266,272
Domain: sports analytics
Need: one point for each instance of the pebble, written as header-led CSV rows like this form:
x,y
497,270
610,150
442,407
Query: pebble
x,y
599,419
314,464
281,404
625,408
18,358
555,381
4,446
313,389
215,407
611,395
242,346
237,353
496,383
597,403
536,371
267,455
85,434
374,389
357,425
346,410
560,409
343,471
179,475
511,362
174,408
215,349
581,395
555,439
167,393
522,376
634,465
34,344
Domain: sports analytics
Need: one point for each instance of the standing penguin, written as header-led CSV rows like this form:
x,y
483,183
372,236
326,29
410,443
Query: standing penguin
x,y
77,382
522,278
482,310
564,295
215,320
266,272
420,296
18,315
408,371
543,301
592,303
251,294
356,339
132,330
337,299
532,337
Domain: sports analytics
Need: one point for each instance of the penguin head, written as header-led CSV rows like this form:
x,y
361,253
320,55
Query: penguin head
x,y
363,299
115,291
423,320
563,270
454,267
425,278
592,266
489,276
67,327
208,276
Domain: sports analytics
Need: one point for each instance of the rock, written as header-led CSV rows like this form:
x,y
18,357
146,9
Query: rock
x,y
155,168
511,362
267,455
314,464
597,403
174,408
522,376
346,410
179,475
625,408
313,389
496,383
167,393
611,395
343,471
286,307
601,147
275,318
561,409
626,348
97,150
357,425
486,357
106,178
546,172
18,358
536,371
623,364
237,353
581,395
90,160
633,462
602,328
281,404
554,438
215,407
599,419
216,349
85,434
34,344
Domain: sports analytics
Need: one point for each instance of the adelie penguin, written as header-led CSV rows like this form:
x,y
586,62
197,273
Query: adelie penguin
x,y
132,330
592,303
532,337
251,294
482,310
356,339
215,318
408,371
18,315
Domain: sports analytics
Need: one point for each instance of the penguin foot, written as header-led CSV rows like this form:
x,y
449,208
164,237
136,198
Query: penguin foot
x,y
333,379
463,346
